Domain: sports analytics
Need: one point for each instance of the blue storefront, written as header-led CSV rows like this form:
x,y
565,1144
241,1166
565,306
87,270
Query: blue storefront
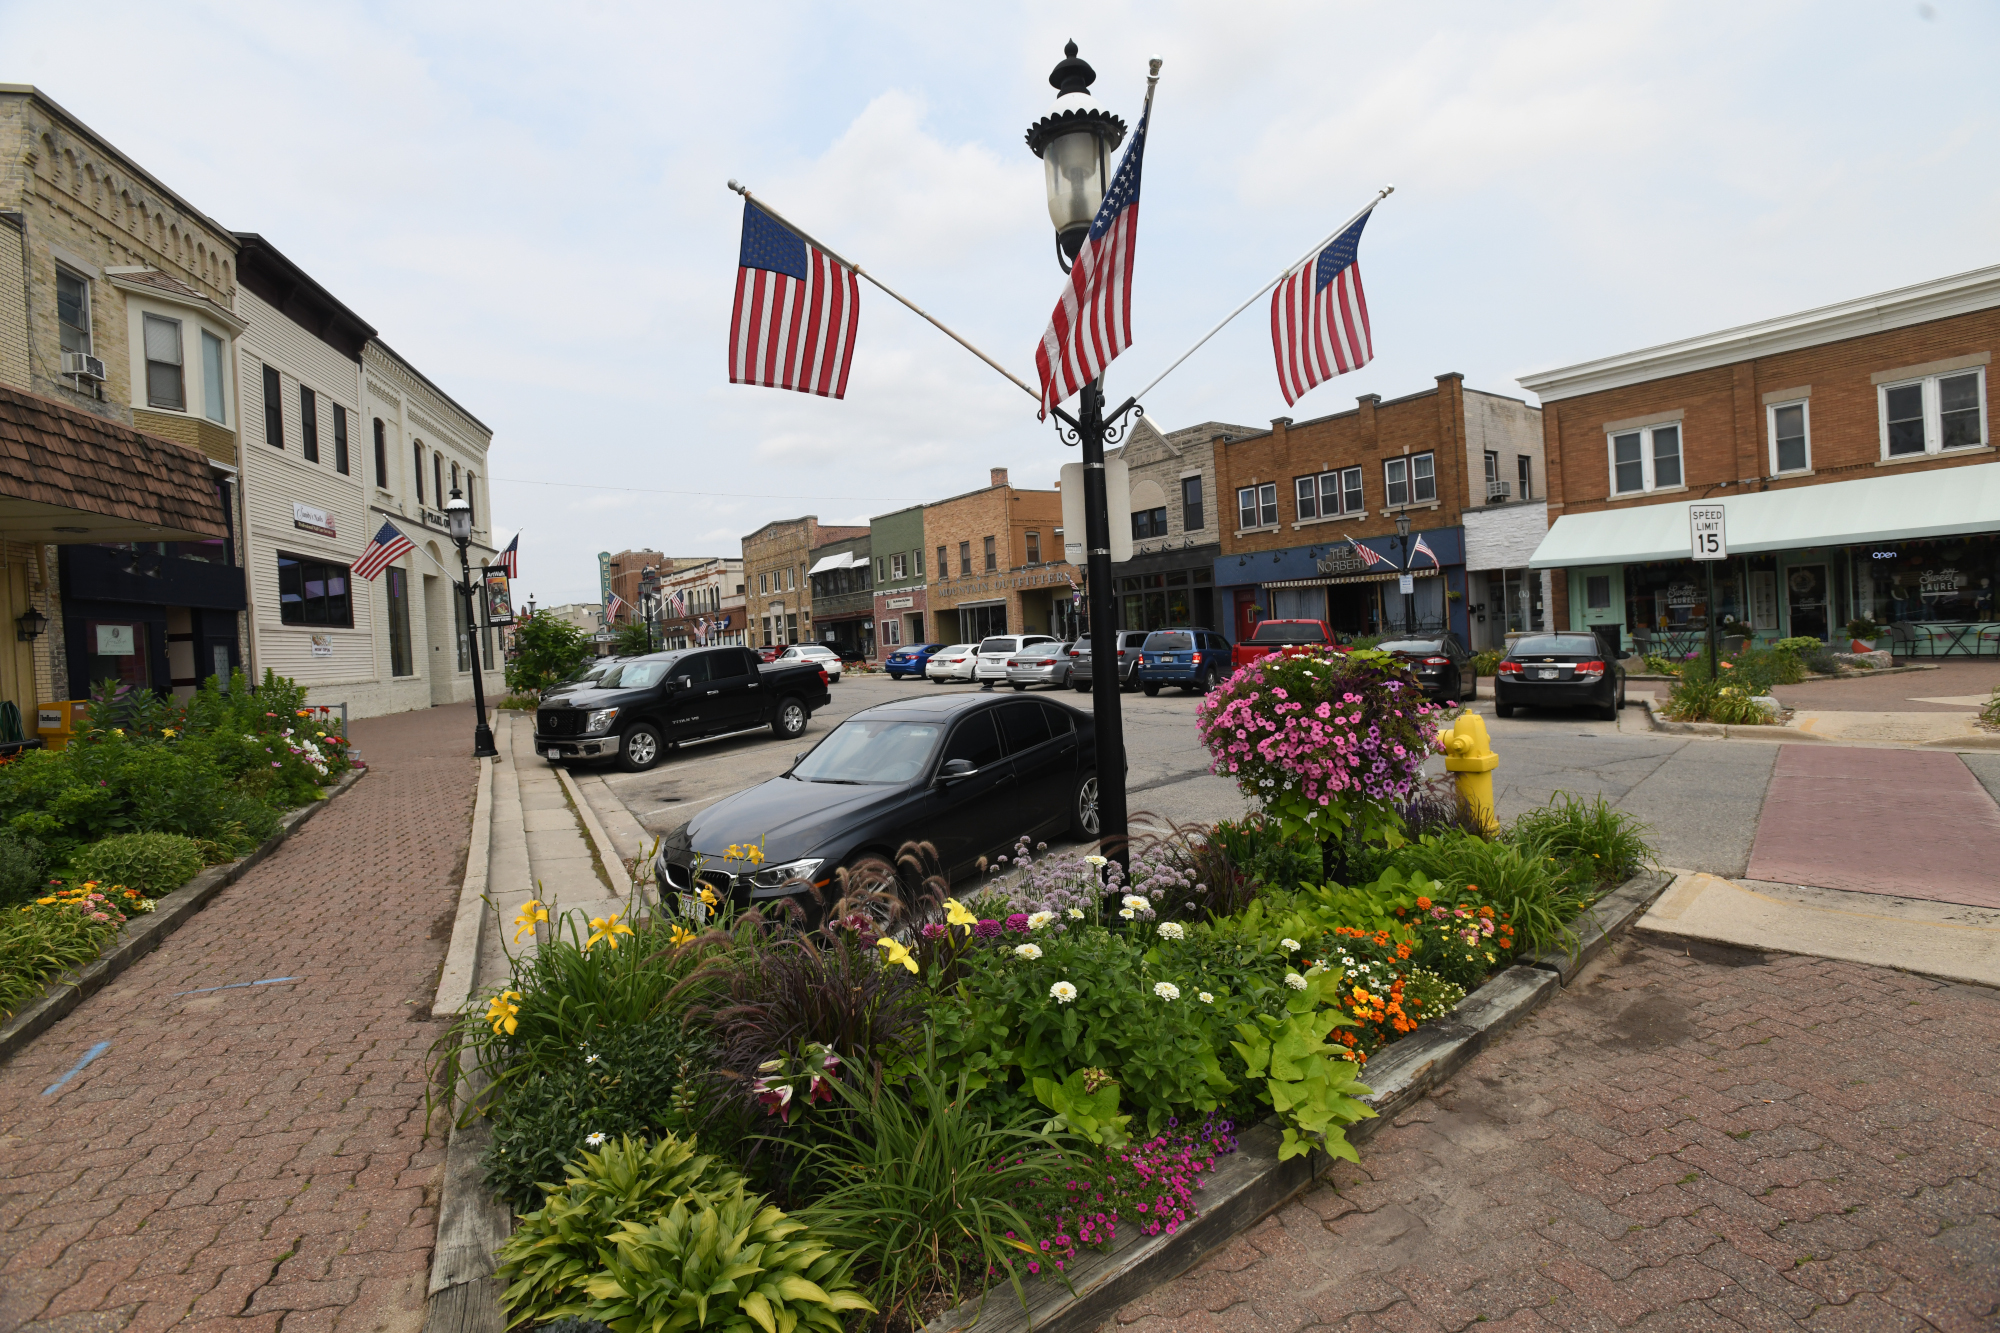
x,y
1329,581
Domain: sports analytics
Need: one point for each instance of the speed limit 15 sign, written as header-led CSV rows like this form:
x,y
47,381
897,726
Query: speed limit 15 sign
x,y
1705,529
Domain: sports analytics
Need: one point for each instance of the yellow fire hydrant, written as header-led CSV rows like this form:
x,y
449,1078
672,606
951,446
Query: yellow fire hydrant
x,y
1469,757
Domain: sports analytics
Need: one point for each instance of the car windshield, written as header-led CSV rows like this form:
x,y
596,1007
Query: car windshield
x,y
1169,643
870,750
1288,631
1555,643
1412,646
997,646
633,675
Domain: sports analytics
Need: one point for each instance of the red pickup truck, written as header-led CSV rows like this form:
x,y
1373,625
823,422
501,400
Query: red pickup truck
x,y
1289,637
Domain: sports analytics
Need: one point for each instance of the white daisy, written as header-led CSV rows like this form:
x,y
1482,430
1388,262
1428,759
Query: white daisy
x,y
1171,930
1028,951
1291,946
1295,981
1062,992
1204,997
593,1140
1037,920
1166,990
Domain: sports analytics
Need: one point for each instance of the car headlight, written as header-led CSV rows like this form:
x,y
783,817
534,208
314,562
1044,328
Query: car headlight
x,y
600,721
772,877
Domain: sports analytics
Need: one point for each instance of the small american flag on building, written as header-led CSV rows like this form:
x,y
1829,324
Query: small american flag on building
x,y
510,559
1319,317
612,607
1092,322
797,309
388,545
1423,548
1368,557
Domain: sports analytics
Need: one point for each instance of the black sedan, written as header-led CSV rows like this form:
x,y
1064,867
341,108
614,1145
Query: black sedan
x,y
1559,671
1443,665
968,773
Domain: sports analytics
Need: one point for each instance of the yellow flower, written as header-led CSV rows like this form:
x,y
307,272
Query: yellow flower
x,y
607,929
167,731
956,915
680,935
43,902
748,851
531,912
118,731
708,897
895,953
502,1012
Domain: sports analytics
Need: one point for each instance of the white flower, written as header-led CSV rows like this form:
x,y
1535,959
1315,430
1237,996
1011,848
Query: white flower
x,y
1171,930
1062,992
1097,862
590,1059
1127,913
593,1140
1039,919
1291,946
1076,914
1028,951
1135,902
1295,981
1166,990
1204,997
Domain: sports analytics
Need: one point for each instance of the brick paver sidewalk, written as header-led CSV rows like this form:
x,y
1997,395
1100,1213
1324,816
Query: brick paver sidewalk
x,y
1723,1141
255,1155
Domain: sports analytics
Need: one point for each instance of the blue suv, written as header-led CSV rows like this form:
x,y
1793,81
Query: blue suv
x,y
910,661
1193,659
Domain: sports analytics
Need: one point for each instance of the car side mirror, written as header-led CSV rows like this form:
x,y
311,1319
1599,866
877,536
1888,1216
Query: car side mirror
x,y
954,769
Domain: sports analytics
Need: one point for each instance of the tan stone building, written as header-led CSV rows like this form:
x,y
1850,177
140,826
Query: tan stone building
x,y
777,584
997,564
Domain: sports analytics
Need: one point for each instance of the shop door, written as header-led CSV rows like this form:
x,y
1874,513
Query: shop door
x,y
1805,601
1246,615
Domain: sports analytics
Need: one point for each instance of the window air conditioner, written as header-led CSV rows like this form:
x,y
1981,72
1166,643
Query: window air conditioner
x,y
1497,491
83,366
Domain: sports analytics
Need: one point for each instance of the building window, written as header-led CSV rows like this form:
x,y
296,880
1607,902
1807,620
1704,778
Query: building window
x,y
73,312
1328,494
419,447
917,562
309,424
1645,460
165,385
1192,519
1257,506
274,412
767,631
992,557
1149,523
943,565
454,479
792,627
1411,480
471,509
896,567
313,592
340,439
1524,467
1791,451
1935,413
437,475
892,634
398,583
965,560
1495,488
763,583
1597,592
381,454
1034,547
214,379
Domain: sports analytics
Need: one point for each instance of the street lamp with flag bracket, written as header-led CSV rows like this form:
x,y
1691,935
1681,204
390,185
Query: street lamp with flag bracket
x,y
1075,142
458,516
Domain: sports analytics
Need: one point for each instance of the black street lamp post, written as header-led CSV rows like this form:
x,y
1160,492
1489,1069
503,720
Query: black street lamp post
x,y
459,513
1075,141
1409,598
649,594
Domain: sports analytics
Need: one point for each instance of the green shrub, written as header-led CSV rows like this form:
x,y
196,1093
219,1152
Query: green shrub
x,y
22,870
1521,882
152,863
1487,661
1586,832
1699,699
48,937
547,650
554,1249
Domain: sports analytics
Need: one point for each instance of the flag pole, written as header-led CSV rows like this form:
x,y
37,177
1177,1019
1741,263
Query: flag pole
x,y
1380,195
861,272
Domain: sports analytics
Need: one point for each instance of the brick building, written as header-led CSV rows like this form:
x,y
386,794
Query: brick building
x,y
1176,525
1849,447
702,603
1295,494
843,592
997,564
902,592
777,588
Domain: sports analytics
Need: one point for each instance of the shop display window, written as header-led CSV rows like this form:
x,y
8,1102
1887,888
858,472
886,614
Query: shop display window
x,y
1945,580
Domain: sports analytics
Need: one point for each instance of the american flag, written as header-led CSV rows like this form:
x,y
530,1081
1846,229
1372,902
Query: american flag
x,y
1319,317
389,543
510,559
796,312
1368,557
680,602
612,607
1422,548
1092,322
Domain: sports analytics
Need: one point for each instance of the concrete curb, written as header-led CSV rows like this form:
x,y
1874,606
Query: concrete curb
x,y
1723,731
461,960
607,855
1251,1183
143,934
464,1296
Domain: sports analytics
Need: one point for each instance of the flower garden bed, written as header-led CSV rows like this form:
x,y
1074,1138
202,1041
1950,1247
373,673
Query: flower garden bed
x,y
1028,1091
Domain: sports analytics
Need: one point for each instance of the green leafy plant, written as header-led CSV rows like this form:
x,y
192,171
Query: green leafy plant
x,y
153,863
1313,1086
1609,843
1520,880
1085,1104
729,1263
1702,699
547,650
1487,661
22,868
1861,627
47,937
633,639
1989,712
556,1248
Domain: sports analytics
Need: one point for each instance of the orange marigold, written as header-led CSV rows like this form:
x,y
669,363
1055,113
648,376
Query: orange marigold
x,y
1423,904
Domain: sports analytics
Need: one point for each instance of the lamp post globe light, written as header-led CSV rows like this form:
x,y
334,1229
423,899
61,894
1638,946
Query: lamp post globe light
x,y
458,513
1409,598
1075,141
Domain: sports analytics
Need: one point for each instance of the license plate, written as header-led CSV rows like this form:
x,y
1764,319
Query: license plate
x,y
1547,675
693,908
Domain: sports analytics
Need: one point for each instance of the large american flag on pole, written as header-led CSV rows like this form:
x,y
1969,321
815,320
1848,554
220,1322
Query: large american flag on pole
x,y
797,309
1092,322
389,543
1319,317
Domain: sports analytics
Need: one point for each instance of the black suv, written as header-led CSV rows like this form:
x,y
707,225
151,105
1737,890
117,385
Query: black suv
x,y
639,708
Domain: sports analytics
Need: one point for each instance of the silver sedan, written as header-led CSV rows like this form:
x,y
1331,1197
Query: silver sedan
x,y
1042,664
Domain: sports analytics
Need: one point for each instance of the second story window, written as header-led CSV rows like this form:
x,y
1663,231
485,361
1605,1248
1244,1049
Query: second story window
x,y
381,454
896,567
214,379
437,475
1524,469
1149,523
1645,460
1411,480
943,565
1257,506
1496,489
274,412
1935,413
340,439
1034,547
1192,519
418,446
166,386
1790,451
965,560
1328,494
309,424
73,312
992,557
917,565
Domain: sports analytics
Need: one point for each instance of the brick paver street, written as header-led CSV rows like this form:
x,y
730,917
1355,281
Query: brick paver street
x,y
1899,692
254,1156
1717,1140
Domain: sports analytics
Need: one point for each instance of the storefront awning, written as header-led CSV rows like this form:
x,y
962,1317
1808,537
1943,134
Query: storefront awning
x,y
1330,579
838,560
1938,503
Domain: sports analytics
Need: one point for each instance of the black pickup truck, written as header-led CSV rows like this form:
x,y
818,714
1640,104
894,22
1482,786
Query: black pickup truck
x,y
642,706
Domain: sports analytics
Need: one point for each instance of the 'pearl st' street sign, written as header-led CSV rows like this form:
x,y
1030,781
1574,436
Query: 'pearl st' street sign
x,y
1705,529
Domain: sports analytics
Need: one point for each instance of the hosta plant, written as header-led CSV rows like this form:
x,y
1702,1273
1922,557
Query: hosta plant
x,y
1312,1083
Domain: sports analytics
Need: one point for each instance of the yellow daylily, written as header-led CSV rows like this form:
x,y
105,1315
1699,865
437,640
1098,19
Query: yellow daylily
x,y
748,851
503,1013
607,929
955,914
531,912
679,935
168,731
895,953
708,897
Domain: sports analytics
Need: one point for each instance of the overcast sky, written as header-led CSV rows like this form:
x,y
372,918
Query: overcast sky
x,y
528,201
